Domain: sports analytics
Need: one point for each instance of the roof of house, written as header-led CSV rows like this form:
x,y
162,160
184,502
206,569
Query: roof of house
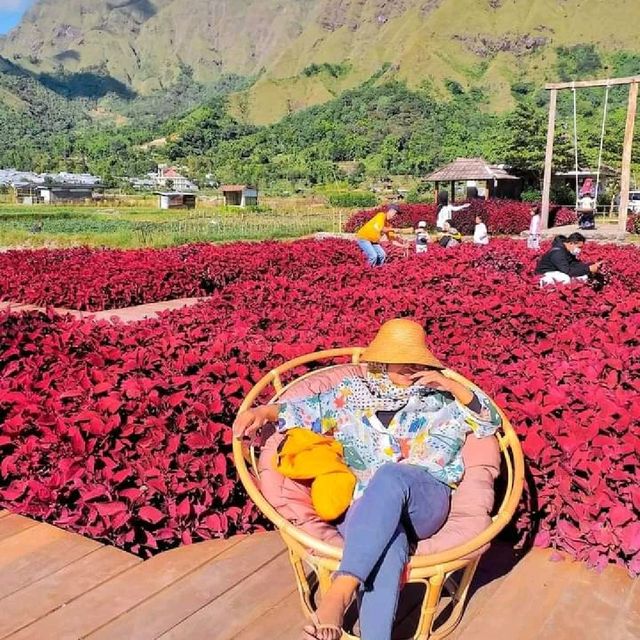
x,y
469,169
235,187
66,187
175,193
171,172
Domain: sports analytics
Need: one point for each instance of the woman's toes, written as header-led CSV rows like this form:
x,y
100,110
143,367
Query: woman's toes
x,y
310,633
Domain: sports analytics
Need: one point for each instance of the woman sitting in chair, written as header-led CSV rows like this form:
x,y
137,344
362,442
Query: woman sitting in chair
x,y
402,426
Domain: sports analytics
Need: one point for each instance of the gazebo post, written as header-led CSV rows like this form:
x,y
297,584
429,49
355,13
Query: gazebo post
x,y
453,191
437,191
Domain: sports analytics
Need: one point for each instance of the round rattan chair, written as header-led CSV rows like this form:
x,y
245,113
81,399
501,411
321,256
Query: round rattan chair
x,y
314,561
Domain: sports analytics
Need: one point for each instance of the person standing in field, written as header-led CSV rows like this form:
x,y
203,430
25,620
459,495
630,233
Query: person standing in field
x,y
446,210
370,234
533,239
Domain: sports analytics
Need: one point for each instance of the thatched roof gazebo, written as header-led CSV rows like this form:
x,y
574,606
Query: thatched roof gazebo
x,y
499,182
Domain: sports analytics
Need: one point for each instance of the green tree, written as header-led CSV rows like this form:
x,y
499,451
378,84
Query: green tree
x,y
525,140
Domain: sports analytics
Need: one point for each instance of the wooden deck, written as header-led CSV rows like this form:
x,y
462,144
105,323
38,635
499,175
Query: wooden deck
x,y
56,585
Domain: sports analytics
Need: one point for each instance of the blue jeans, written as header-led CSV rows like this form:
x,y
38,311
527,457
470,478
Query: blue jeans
x,y
401,505
374,253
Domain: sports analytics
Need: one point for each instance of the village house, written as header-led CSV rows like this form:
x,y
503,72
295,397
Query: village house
x,y
176,200
35,188
171,179
240,195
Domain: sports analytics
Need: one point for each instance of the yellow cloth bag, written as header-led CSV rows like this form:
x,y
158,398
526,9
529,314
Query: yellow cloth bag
x,y
305,455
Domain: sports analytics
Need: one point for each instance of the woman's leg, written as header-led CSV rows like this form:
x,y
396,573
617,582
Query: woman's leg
x,y
397,494
401,503
379,598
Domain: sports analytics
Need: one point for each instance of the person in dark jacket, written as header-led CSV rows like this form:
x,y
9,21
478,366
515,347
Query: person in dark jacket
x,y
560,264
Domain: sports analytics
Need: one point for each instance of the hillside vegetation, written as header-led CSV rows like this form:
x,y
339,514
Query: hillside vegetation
x,y
422,89
141,45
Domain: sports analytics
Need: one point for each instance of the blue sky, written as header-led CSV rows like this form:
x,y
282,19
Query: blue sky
x,y
10,13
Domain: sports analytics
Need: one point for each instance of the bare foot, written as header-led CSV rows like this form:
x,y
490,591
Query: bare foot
x,y
330,613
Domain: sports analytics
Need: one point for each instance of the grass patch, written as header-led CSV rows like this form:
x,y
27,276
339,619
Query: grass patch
x,y
129,228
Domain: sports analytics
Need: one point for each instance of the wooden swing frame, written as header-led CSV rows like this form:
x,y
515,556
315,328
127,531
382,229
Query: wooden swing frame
x,y
625,179
314,561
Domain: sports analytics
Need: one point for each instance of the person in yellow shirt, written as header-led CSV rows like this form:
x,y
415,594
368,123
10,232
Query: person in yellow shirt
x,y
370,234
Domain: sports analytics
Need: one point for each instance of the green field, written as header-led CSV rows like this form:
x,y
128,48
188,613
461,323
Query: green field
x,y
128,227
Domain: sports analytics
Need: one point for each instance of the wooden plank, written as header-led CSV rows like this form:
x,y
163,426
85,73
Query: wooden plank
x,y
57,589
120,594
548,161
583,84
37,552
241,607
632,610
523,600
12,524
627,148
284,621
186,596
590,607
479,599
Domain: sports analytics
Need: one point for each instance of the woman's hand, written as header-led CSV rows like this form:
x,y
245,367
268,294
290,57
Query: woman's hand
x,y
249,422
437,380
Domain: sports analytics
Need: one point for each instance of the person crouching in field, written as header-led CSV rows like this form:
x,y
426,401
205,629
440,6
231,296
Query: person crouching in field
x,y
422,237
560,264
370,234
449,237
480,233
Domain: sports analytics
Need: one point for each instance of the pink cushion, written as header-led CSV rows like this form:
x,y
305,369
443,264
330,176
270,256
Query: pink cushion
x,y
471,503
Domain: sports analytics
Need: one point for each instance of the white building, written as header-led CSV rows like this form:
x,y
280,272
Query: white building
x,y
170,178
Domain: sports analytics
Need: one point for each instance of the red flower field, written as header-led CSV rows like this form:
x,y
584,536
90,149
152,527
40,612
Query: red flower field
x,y
122,432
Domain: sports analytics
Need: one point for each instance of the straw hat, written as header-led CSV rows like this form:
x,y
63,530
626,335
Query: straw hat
x,y
401,341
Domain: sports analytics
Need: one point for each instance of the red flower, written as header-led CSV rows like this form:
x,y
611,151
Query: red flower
x,y
121,432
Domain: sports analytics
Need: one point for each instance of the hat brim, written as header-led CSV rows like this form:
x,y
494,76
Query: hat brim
x,y
378,355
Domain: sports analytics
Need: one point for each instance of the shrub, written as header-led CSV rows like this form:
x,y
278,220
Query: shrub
x,y
97,279
633,223
531,195
501,216
352,200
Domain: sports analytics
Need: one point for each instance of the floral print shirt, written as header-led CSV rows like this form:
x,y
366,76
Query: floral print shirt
x,y
428,430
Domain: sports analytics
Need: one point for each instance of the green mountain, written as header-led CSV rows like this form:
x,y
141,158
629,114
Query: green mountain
x,y
306,52
34,118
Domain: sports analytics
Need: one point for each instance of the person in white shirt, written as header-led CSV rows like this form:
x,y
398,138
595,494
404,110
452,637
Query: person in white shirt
x,y
445,210
586,203
480,233
533,239
422,237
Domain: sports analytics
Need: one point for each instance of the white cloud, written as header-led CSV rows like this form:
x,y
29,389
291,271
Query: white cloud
x,y
11,6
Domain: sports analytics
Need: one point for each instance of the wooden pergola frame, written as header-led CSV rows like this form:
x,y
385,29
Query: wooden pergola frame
x,y
625,180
